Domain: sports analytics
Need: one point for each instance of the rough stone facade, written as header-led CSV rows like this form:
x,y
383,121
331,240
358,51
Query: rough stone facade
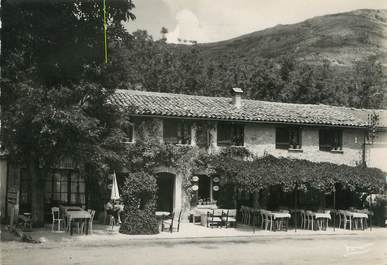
x,y
376,152
259,139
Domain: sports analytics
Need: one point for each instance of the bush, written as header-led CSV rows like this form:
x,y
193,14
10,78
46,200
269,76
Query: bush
x,y
379,209
139,198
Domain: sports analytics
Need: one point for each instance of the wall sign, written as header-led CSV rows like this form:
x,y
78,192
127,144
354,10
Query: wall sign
x,y
12,197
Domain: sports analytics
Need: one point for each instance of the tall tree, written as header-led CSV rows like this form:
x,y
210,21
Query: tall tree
x,y
55,85
368,83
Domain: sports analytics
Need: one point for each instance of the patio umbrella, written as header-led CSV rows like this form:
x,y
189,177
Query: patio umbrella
x,y
115,195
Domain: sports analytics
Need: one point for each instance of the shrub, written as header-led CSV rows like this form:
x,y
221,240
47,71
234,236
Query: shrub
x,y
139,198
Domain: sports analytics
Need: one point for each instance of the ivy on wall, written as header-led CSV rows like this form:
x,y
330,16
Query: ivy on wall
x,y
259,173
139,197
140,188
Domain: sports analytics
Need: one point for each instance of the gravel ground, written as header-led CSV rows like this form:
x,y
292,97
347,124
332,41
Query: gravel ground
x,y
363,247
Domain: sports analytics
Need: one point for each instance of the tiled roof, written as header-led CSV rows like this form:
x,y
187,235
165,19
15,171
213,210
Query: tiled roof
x,y
220,108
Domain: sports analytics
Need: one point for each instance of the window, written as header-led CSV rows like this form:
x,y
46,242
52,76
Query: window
x,y
77,189
202,134
65,186
25,191
129,131
59,189
204,191
288,138
330,139
230,134
177,132
206,194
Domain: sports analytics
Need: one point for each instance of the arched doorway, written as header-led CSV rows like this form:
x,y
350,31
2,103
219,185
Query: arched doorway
x,y
165,193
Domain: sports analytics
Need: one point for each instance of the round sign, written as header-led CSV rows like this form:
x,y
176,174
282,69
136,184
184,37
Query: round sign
x,y
110,186
216,179
195,178
215,188
195,187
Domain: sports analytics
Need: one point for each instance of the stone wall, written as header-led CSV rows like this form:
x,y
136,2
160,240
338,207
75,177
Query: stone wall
x,y
260,140
377,151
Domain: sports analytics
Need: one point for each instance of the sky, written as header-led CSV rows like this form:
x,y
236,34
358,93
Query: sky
x,y
216,20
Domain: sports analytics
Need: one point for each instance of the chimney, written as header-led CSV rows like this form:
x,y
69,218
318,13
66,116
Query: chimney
x,y
237,96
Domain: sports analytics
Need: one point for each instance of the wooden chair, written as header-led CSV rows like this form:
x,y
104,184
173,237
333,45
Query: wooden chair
x,y
229,217
92,214
267,219
173,222
256,214
56,218
309,220
25,221
112,221
214,218
76,222
245,211
345,219
262,214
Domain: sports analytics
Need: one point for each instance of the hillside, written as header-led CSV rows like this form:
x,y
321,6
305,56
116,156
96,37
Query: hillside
x,y
339,38
334,59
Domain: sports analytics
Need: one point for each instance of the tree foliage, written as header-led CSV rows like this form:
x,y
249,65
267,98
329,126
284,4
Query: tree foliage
x,y
158,66
55,85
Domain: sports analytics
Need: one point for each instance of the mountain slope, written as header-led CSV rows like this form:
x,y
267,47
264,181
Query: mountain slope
x,y
339,38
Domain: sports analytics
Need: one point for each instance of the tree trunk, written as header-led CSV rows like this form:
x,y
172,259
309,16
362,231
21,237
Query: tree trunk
x,y
37,193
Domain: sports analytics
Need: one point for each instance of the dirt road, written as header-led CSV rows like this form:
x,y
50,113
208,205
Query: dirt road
x,y
367,248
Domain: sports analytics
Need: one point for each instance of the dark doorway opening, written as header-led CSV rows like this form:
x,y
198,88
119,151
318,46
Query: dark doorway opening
x,y
165,184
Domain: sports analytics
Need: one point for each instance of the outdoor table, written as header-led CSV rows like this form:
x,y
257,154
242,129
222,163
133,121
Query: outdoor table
x,y
297,217
203,215
26,219
279,217
82,215
160,216
207,206
64,209
320,218
357,215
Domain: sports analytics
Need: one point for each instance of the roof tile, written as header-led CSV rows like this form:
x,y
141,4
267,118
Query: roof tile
x,y
179,105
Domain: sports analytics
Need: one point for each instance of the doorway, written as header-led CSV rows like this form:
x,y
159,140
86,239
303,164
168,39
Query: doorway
x,y
165,193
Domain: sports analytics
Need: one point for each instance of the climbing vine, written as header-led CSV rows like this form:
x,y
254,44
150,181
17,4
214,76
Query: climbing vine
x,y
259,173
139,197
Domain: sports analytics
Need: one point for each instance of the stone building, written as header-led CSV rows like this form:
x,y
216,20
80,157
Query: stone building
x,y
318,133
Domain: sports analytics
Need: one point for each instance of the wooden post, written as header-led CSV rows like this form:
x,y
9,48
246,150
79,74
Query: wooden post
x,y
235,197
295,208
372,212
37,194
334,209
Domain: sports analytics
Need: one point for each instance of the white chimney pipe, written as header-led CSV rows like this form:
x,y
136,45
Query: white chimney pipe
x,y
237,97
